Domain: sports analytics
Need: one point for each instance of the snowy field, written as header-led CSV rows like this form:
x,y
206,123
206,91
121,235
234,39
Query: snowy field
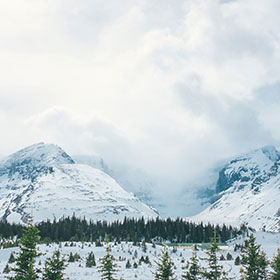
x,y
126,251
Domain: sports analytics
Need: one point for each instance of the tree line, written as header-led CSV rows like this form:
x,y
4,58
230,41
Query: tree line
x,y
130,229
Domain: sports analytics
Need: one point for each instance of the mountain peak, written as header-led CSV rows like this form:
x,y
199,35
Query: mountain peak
x,y
48,154
33,160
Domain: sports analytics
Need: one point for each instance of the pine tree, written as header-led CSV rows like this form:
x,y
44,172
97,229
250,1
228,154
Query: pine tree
x,y
25,262
165,267
7,269
253,261
76,257
98,243
54,267
108,267
229,257
144,246
128,264
141,260
193,272
214,271
135,265
12,258
275,275
222,258
237,261
71,257
147,260
90,261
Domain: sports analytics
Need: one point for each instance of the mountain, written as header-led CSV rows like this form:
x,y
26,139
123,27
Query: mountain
x,y
131,179
248,192
44,181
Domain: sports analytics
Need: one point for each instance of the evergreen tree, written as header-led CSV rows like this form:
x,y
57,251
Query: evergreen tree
x,y
98,243
275,275
229,257
7,269
135,265
214,270
147,260
222,258
237,260
165,267
193,272
141,260
90,261
128,264
108,267
25,262
12,258
54,267
76,257
71,257
253,261
135,254
144,246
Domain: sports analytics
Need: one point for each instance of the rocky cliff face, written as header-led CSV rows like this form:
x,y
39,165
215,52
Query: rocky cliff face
x,y
248,191
256,167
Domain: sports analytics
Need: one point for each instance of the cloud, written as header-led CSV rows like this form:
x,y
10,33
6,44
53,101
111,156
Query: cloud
x,y
168,87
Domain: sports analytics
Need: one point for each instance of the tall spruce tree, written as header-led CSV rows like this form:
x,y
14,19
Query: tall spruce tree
x,y
108,266
54,267
253,261
193,272
275,264
25,261
214,271
165,267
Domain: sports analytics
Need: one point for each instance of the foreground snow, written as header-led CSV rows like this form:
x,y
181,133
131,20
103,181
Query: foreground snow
x,y
126,251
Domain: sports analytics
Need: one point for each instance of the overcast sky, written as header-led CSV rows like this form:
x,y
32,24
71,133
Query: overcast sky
x,y
170,86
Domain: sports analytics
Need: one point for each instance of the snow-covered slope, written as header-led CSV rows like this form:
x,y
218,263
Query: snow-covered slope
x,y
43,181
131,179
248,191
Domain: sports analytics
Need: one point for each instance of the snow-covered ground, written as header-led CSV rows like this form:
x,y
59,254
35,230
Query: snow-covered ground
x,y
126,251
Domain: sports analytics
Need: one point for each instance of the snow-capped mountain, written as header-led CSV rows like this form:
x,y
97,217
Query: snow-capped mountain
x,y
248,192
44,181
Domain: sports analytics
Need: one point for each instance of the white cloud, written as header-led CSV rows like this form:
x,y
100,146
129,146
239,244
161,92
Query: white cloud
x,y
170,87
